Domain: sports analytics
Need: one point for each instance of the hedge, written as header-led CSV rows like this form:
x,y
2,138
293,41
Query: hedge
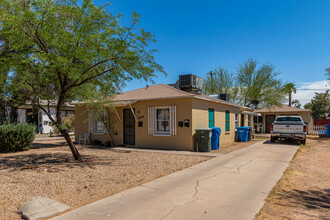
x,y
16,137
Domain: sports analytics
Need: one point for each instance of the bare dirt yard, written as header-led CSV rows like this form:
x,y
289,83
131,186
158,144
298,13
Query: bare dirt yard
x,y
304,190
48,170
230,147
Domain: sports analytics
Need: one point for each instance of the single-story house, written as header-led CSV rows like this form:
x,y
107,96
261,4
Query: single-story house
x,y
268,115
26,113
163,117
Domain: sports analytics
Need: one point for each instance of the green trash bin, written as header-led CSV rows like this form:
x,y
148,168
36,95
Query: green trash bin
x,y
203,139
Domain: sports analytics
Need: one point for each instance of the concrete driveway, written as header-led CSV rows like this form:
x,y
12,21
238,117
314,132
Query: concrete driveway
x,y
231,186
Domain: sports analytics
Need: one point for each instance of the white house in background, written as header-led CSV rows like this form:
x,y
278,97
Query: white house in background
x,y
38,116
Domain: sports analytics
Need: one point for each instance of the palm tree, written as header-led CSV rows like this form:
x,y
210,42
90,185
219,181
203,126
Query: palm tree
x,y
289,88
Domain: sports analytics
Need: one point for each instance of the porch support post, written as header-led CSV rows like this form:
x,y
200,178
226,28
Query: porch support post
x,y
117,114
133,112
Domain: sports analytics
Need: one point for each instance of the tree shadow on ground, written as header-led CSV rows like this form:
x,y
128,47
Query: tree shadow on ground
x,y
309,199
51,161
40,145
280,142
113,149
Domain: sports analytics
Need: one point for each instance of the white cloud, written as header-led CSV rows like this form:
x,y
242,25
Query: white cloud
x,y
306,90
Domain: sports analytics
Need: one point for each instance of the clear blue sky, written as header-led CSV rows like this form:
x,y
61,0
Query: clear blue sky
x,y
199,36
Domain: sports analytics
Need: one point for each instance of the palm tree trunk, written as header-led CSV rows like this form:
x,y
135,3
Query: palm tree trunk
x,y
290,99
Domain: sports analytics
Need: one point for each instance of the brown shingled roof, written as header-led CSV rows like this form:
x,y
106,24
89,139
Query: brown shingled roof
x,y
159,91
282,108
162,91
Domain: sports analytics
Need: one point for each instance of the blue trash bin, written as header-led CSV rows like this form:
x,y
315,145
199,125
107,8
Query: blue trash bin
x,y
328,130
243,133
215,139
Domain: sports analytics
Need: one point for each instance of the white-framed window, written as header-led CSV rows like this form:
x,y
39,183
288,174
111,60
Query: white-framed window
x,y
95,122
162,120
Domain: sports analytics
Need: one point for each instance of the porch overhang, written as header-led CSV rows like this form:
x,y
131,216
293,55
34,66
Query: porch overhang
x,y
250,113
124,104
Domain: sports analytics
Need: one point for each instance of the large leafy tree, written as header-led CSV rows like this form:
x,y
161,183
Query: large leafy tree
x,y
290,88
11,94
69,50
221,82
259,85
320,104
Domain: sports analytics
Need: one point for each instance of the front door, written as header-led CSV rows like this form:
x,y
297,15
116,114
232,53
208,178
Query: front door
x,y
269,120
32,117
129,127
242,120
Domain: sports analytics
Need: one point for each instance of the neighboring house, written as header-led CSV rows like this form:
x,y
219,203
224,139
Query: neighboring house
x,y
26,113
163,117
268,115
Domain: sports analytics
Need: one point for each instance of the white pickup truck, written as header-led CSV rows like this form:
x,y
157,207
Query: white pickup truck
x,y
288,127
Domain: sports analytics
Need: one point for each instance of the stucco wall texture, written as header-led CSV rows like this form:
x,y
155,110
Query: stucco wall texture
x,y
194,110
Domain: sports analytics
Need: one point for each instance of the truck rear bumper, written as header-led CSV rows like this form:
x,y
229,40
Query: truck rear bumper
x,y
298,136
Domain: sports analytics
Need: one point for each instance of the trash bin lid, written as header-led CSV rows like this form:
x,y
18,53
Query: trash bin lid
x,y
216,130
243,128
204,129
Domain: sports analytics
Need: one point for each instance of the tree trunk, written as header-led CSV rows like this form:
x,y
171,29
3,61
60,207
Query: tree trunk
x,y
290,100
73,149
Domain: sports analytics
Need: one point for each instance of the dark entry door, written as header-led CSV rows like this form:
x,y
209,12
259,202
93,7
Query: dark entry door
x,y
31,117
269,120
129,127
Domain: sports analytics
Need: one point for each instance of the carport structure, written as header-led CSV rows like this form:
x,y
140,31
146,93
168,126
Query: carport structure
x,y
268,115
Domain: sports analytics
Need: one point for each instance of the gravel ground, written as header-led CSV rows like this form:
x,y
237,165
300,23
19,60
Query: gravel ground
x,y
304,190
48,170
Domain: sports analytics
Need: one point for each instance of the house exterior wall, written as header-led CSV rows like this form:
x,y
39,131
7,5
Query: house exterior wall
x,y
181,141
21,115
46,122
80,121
194,110
200,116
306,116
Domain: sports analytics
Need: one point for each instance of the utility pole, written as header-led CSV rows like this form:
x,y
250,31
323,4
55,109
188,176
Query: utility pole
x,y
212,83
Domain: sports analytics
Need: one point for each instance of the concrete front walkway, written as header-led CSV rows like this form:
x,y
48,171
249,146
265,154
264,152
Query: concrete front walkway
x,y
231,186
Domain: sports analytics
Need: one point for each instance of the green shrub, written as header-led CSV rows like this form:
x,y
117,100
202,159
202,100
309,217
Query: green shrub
x,y
16,137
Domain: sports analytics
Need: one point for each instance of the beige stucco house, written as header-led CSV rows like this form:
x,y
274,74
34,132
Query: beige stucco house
x,y
163,117
268,115
27,113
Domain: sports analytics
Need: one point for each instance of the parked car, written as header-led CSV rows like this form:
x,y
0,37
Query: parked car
x,y
288,127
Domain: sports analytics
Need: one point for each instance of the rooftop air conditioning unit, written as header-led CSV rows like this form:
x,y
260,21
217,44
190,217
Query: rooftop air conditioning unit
x,y
190,81
224,97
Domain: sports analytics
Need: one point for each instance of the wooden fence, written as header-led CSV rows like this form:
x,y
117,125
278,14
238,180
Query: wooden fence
x,y
317,129
317,121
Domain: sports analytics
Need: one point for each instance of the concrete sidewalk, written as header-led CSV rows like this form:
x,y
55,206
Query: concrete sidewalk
x,y
231,186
